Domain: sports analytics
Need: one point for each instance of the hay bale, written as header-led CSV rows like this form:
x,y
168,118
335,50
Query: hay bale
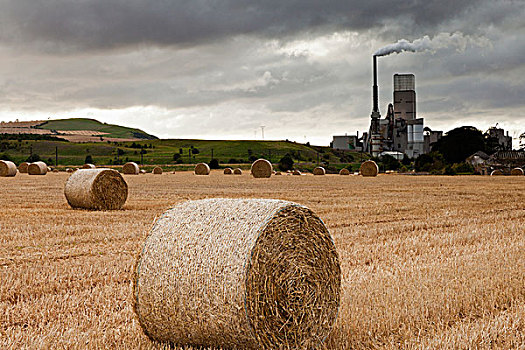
x,y
369,169
261,168
278,173
228,171
296,172
88,166
211,273
344,171
173,172
7,168
157,170
496,172
202,169
37,168
131,168
22,168
142,171
319,171
55,170
237,171
517,172
69,170
99,189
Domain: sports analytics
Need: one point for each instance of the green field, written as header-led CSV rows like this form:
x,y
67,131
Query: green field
x,y
115,131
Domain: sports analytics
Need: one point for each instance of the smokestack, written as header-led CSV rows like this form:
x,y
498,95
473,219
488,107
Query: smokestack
x,y
374,89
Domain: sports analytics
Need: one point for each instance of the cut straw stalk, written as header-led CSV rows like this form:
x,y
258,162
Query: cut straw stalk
x,y
238,273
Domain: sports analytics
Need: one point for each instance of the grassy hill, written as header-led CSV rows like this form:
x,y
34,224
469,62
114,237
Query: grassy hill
x,y
115,131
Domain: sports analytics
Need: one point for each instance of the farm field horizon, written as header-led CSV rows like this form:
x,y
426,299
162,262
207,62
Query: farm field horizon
x,y
427,261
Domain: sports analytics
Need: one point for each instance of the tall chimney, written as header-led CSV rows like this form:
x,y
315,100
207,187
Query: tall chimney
x,y
374,89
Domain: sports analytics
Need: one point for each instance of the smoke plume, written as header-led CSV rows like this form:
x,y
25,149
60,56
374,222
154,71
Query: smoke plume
x,y
456,41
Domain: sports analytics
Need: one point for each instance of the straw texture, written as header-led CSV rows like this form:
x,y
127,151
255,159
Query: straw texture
x,y
238,273
261,168
88,166
237,171
517,172
344,171
496,173
157,170
228,171
7,168
131,168
202,169
319,171
369,169
37,168
97,189
22,168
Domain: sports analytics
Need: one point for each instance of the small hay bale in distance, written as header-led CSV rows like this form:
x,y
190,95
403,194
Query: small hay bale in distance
x,y
211,273
262,168
202,169
37,168
296,172
319,171
88,166
228,171
69,170
131,168
517,172
7,168
96,189
278,173
344,171
496,172
142,171
22,168
157,170
237,171
369,169
56,170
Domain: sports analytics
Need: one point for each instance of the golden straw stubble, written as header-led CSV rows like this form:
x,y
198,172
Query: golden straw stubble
x,y
96,189
238,273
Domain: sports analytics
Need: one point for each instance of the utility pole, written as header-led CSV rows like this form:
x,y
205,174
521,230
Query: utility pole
x,y
212,153
262,131
270,155
189,155
56,156
317,158
141,157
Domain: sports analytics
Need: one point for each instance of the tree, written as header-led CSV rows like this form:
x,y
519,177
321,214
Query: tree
x,y
195,151
89,159
33,158
176,157
214,164
390,163
459,143
429,162
286,163
5,156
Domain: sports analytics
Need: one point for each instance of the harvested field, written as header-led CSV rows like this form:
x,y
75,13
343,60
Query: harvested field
x,y
427,261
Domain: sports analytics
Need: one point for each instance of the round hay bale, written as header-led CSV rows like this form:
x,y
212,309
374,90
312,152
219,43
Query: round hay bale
x,y
142,171
69,170
517,172
55,170
37,168
173,172
496,172
369,169
344,171
88,166
98,189
296,172
228,171
238,273
202,169
22,168
319,171
237,171
7,168
261,168
131,168
278,173
157,170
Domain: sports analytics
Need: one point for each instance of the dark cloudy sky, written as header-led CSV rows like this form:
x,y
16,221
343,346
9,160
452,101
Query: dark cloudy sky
x,y
220,69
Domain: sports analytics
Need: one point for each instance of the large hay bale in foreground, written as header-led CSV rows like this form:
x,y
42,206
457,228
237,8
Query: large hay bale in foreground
x,y
319,171
496,172
7,168
517,172
88,166
131,168
369,169
344,171
157,170
37,168
237,171
22,168
228,171
202,169
262,168
99,189
238,273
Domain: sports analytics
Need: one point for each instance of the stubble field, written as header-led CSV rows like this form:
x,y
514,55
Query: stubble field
x,y
428,262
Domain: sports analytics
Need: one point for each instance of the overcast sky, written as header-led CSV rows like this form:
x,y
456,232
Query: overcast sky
x,y
221,69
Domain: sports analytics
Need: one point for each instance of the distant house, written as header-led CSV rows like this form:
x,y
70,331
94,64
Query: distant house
x,y
501,160
477,160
